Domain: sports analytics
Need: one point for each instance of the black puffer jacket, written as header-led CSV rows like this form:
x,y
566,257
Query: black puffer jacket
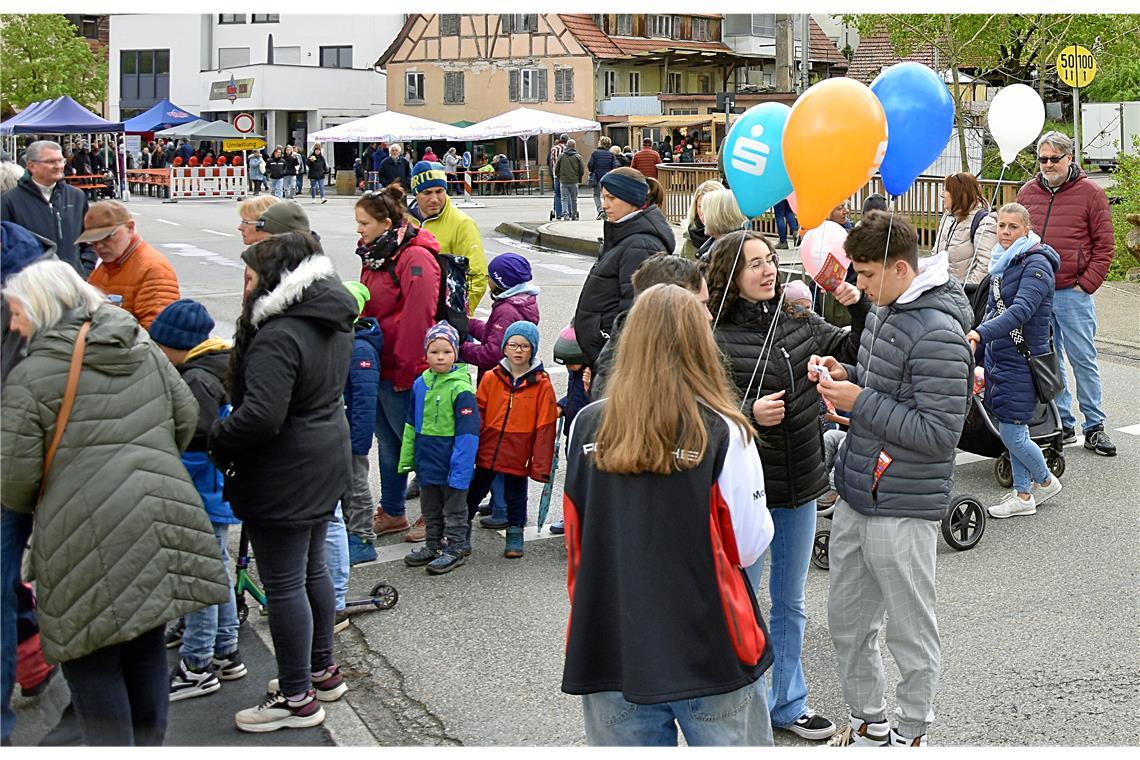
x,y
792,452
608,289
285,448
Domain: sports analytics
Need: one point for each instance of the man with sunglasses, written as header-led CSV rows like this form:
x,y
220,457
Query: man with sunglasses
x,y
44,204
1070,213
129,268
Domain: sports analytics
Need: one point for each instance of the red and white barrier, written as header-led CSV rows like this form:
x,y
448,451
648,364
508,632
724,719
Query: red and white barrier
x,y
211,182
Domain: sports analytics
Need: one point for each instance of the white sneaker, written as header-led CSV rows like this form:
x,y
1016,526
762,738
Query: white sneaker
x,y
1013,506
278,712
898,740
858,733
1043,493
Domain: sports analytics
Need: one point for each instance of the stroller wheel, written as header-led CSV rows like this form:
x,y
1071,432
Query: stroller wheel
x,y
384,596
819,549
1003,471
242,610
1055,461
964,523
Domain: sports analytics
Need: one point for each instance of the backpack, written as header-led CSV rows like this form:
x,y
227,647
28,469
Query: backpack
x,y
451,305
977,222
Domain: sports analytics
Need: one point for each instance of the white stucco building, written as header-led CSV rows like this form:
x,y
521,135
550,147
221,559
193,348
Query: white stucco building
x,y
295,74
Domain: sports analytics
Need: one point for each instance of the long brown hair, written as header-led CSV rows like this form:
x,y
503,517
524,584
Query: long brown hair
x,y
726,262
667,365
965,193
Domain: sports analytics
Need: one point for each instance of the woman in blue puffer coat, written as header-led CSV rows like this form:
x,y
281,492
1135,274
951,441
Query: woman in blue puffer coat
x,y
1022,271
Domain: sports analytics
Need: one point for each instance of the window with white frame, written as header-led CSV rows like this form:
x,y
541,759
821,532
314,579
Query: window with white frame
x,y
662,26
609,83
624,25
682,112
266,18
529,82
700,29
675,82
764,24
414,87
634,83
520,23
232,57
231,18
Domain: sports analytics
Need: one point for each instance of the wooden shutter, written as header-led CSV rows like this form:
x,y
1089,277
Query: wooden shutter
x,y
542,85
532,21
559,85
448,87
513,89
459,93
505,21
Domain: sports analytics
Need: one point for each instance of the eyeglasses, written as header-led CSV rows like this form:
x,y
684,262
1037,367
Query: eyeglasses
x,y
247,221
1050,159
517,346
52,161
759,263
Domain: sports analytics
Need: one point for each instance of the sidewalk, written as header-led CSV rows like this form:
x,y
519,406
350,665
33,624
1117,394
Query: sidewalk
x,y
1117,303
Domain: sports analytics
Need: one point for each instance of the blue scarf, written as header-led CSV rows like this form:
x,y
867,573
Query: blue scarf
x,y
1000,257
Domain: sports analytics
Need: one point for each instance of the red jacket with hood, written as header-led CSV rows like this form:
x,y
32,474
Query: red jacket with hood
x,y
1075,220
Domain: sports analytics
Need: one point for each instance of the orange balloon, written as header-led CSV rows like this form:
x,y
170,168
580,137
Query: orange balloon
x,y
834,141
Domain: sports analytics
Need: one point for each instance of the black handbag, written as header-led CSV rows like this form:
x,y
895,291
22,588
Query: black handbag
x,y
1044,368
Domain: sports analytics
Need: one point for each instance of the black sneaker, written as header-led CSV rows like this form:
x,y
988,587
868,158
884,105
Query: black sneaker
x,y
174,633
447,561
413,491
493,523
187,682
811,726
229,667
420,557
558,528
1068,435
1097,440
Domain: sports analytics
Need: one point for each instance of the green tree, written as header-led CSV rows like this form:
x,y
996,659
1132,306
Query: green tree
x,y
42,57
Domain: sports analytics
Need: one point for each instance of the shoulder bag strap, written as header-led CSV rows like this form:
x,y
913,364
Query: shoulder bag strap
x,y
68,402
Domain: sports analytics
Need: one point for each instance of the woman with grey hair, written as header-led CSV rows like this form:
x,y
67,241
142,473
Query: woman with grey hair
x,y
10,174
94,421
695,235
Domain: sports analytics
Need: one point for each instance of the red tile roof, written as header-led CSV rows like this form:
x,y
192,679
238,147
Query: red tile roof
x,y
875,52
823,49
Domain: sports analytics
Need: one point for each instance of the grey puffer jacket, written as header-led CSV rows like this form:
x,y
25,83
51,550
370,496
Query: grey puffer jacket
x,y
121,543
913,404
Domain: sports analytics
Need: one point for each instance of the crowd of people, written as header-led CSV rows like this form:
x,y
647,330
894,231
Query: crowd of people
x,y
275,431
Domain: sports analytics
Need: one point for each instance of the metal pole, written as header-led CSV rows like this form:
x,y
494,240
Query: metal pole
x,y
805,49
1077,148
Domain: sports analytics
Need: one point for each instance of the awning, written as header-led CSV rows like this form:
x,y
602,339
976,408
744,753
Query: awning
x,y
388,127
203,130
526,122
692,120
61,116
161,115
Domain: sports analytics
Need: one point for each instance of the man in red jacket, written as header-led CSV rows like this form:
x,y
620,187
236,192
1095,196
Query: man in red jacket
x,y
646,159
1070,212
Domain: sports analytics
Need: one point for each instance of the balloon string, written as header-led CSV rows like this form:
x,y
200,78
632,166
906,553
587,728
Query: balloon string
x,y
728,282
997,189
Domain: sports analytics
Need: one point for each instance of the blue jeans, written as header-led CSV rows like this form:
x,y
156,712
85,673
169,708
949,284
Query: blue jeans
x,y
278,187
498,499
785,219
790,553
336,556
514,493
1025,456
15,527
212,630
391,413
1074,327
738,718
557,198
316,185
299,183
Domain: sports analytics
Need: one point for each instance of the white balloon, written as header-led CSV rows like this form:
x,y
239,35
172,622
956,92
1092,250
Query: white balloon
x,y
1015,119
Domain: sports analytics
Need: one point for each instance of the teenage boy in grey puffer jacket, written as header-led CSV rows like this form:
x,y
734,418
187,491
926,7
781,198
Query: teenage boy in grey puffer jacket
x,y
907,397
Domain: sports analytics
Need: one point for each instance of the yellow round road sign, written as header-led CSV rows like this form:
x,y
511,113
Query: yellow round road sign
x,y
1076,66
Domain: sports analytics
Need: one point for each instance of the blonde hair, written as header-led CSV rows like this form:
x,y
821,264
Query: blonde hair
x,y
50,289
1017,208
640,434
702,190
722,215
616,150
605,142
252,208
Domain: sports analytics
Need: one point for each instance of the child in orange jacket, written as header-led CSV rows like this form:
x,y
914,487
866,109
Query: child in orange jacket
x,y
519,411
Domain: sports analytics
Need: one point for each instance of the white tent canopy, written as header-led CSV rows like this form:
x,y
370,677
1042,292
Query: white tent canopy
x,y
389,127
527,122
206,130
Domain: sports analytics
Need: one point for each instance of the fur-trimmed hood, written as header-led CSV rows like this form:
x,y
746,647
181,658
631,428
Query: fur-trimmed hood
x,y
312,290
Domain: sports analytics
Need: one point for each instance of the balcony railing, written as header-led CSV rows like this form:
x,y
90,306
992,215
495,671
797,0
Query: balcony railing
x,y
630,105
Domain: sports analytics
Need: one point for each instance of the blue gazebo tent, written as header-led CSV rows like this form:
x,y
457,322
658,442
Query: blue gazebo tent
x,y
29,111
59,117
162,115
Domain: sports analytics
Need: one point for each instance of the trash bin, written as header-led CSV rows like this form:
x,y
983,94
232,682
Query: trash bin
x,y
345,182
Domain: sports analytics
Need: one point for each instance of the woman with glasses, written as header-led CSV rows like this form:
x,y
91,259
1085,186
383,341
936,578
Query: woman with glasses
x,y
250,210
967,231
768,342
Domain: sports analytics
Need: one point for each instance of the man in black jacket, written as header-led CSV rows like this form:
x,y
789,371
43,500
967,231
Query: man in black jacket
x,y
44,204
395,168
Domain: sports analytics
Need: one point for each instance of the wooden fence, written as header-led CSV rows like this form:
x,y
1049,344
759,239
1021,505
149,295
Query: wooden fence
x,y
922,204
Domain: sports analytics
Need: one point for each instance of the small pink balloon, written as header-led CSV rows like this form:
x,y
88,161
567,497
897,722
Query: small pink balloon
x,y
795,204
823,256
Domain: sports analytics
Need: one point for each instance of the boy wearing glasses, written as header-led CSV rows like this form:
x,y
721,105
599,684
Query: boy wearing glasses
x,y
519,412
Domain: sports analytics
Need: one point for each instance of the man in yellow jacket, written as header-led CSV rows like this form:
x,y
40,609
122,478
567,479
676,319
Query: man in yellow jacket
x,y
456,232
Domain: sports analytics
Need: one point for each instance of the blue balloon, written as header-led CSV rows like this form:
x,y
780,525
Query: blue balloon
x,y
754,158
920,118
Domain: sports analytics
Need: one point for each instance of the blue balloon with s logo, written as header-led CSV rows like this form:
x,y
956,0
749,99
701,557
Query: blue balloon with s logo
x,y
920,119
754,159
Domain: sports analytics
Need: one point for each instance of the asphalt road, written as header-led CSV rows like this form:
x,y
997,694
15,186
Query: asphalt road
x,y
1038,622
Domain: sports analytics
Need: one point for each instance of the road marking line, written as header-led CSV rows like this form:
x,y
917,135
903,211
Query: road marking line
x,y
965,457
214,232
194,252
172,224
1130,430
560,268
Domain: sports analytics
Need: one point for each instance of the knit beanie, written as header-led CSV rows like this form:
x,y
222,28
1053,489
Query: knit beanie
x,y
360,292
182,325
509,269
566,348
443,330
428,174
796,290
629,189
528,330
